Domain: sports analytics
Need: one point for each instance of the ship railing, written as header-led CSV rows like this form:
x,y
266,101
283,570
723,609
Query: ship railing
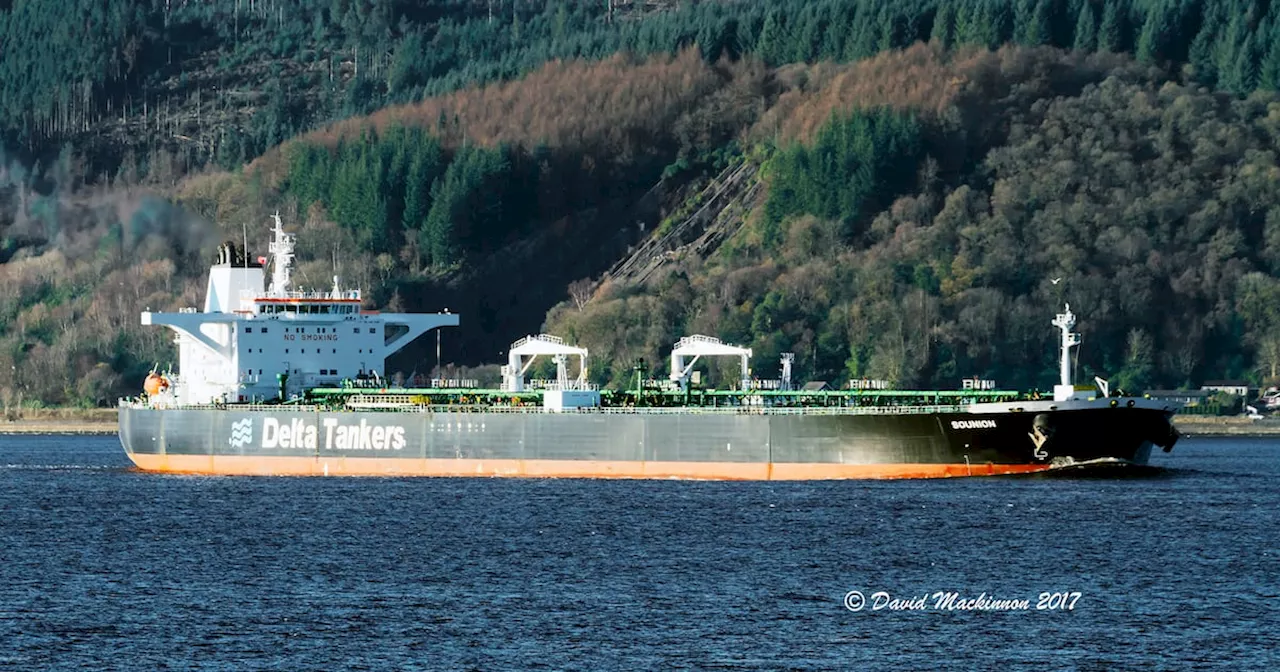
x,y
540,337
341,295
698,338
659,410
143,403
454,383
407,406
557,386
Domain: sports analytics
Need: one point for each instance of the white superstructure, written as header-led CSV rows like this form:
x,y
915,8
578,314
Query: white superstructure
x,y
256,344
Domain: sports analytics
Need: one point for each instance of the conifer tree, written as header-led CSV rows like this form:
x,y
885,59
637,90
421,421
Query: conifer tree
x,y
943,26
1154,36
965,16
865,33
999,24
773,45
1202,56
1245,73
807,37
423,170
1086,34
834,34
1148,47
1111,31
1269,73
1038,30
891,29
1227,53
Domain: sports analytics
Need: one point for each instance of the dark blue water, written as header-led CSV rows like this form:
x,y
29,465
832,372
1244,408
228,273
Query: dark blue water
x,y
102,567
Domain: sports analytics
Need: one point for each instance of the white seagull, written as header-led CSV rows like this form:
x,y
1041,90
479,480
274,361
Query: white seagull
x,y
1056,280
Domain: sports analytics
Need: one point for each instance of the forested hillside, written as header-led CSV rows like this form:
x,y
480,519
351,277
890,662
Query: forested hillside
x,y
488,154
1156,206
164,87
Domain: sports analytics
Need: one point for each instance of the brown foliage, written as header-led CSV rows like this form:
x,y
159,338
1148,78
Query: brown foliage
x,y
610,107
943,86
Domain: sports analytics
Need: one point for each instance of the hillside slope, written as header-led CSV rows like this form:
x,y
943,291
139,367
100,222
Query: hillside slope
x,y
1156,205
161,89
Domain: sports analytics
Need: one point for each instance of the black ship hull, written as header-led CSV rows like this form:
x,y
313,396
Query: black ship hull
x,y
688,443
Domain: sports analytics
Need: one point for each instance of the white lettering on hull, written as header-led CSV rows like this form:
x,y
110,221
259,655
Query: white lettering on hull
x,y
298,433
973,424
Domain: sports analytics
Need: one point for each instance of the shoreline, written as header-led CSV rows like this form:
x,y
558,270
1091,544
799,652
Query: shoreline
x,y
1199,425
75,428
60,421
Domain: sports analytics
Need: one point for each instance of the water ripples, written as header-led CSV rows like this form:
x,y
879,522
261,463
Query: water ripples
x,y
104,567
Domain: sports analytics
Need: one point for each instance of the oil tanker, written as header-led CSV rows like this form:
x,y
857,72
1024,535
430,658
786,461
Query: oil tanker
x,y
273,381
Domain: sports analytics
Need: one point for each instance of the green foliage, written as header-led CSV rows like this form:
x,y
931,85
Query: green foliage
x,y
401,185
856,165
1086,34
1112,31
1157,205
1258,303
1269,74
1151,41
302,63
1202,57
1036,28
467,206
1139,368
944,26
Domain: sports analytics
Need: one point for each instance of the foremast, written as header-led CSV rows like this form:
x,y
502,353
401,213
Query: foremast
x,y
1065,321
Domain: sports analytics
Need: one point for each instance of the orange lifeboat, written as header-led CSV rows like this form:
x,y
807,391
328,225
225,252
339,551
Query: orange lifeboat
x,y
155,384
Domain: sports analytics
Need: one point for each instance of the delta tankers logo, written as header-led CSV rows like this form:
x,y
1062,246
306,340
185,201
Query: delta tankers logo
x,y
329,434
241,433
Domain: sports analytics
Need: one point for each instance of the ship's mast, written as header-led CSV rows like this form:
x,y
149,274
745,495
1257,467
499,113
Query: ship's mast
x,y
281,249
1064,322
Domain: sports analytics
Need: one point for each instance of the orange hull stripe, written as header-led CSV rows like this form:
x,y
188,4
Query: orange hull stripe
x,y
373,466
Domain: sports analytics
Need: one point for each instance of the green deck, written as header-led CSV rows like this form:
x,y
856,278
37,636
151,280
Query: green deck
x,y
653,396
